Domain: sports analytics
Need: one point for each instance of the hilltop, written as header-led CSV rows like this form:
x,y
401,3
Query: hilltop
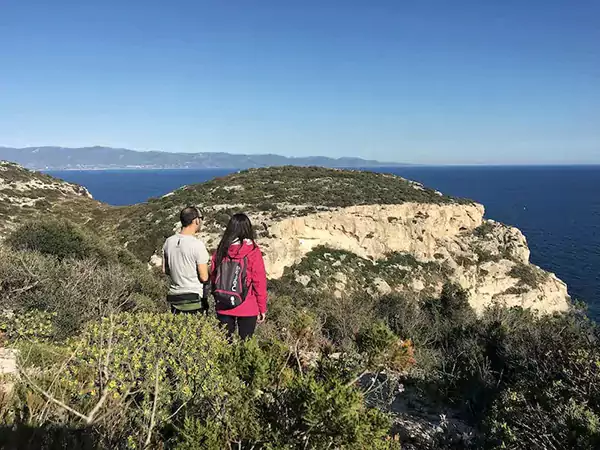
x,y
62,158
269,194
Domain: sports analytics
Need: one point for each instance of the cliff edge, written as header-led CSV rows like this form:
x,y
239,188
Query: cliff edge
x,y
371,220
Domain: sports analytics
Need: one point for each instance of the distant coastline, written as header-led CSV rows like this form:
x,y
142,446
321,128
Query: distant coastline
x,y
390,166
103,158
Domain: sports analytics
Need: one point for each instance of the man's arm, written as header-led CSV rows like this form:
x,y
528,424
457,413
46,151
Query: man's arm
x,y
203,272
165,263
202,258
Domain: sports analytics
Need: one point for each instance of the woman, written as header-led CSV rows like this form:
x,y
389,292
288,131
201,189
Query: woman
x,y
238,279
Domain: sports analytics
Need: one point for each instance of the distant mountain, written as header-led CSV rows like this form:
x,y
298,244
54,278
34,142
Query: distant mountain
x,y
61,158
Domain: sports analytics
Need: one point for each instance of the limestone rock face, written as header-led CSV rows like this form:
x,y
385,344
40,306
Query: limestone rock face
x,y
487,259
22,186
370,231
8,370
448,243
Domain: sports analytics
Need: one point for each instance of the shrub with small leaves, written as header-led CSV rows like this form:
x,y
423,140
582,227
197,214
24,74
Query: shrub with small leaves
x,y
77,291
383,348
30,325
152,380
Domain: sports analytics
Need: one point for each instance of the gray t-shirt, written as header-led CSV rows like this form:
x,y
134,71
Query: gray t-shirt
x,y
182,255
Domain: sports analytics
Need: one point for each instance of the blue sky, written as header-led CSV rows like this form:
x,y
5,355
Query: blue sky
x,y
444,81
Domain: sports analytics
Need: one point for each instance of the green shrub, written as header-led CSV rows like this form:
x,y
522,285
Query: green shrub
x,y
484,229
452,306
484,256
527,274
524,381
327,414
64,239
76,291
58,238
154,380
383,349
143,367
552,379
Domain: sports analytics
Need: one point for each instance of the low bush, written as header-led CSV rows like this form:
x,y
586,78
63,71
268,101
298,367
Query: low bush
x,y
383,349
76,291
527,274
484,229
66,240
523,380
58,238
156,380
551,374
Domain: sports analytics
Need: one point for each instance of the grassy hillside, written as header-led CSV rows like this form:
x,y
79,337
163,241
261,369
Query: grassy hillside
x,y
275,192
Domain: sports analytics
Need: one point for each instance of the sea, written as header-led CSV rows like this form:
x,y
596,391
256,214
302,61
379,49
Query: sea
x,y
557,208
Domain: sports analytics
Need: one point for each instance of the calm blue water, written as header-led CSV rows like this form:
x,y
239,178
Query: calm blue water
x,y
558,208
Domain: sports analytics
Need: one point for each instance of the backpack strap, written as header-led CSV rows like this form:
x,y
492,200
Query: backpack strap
x,y
245,286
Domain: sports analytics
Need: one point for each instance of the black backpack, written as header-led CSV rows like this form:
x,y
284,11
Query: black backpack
x,y
229,287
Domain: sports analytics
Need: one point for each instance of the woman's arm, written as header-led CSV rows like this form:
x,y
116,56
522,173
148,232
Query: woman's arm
x,y
258,277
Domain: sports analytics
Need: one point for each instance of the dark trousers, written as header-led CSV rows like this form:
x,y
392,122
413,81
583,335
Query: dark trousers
x,y
245,325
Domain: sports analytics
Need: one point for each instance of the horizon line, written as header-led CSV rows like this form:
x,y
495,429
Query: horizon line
x,y
384,163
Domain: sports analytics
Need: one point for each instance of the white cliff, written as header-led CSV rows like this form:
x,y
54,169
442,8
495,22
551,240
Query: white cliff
x,y
487,259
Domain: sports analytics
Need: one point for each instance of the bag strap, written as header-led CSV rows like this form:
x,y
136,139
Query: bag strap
x,y
183,299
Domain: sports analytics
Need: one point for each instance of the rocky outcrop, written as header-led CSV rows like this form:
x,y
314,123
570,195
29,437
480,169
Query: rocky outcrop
x,y
24,193
370,231
20,180
487,259
8,370
448,242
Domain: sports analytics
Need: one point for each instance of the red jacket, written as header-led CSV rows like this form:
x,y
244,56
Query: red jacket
x,y
256,279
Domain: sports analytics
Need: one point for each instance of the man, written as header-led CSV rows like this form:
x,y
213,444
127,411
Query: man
x,y
185,260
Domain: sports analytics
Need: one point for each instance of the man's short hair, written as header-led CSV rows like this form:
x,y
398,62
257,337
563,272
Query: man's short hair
x,y
188,215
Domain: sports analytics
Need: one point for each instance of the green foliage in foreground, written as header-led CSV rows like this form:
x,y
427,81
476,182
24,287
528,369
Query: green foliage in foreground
x,y
505,373
148,380
142,379
523,381
77,291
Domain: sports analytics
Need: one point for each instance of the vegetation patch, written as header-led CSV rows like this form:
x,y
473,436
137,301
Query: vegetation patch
x,y
75,291
484,229
528,275
155,380
324,266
